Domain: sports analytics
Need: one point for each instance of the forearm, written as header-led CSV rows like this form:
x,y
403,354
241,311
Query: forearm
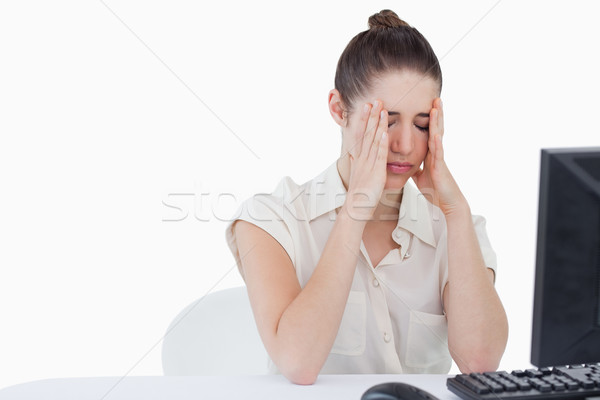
x,y
309,325
477,324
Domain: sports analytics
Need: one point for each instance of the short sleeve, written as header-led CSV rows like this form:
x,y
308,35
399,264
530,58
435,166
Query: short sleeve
x,y
265,211
489,255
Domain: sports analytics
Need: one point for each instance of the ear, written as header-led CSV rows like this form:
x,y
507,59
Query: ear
x,y
337,109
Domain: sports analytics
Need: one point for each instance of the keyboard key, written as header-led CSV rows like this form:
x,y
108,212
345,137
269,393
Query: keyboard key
x,y
562,370
544,387
572,385
559,386
472,384
509,386
587,384
493,375
523,385
518,373
493,386
535,382
479,377
534,373
540,385
510,377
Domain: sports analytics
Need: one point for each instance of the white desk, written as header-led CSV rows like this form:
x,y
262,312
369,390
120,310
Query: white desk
x,y
328,387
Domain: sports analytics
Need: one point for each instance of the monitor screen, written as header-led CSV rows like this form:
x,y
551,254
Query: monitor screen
x,y
566,311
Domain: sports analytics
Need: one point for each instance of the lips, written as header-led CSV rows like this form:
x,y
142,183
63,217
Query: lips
x,y
399,167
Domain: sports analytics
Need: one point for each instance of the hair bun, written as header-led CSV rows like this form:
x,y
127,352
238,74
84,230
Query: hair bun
x,y
385,19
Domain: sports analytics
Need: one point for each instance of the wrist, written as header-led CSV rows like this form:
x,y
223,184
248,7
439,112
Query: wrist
x,y
457,210
360,207
354,214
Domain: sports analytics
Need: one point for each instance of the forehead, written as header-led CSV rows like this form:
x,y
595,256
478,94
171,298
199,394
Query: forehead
x,y
406,92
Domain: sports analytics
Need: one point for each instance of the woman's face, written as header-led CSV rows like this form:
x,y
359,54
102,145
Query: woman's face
x,y
408,98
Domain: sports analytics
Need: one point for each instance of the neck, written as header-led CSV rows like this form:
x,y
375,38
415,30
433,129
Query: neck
x,y
389,203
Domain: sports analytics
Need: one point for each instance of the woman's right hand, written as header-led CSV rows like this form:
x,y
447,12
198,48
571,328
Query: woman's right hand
x,y
368,160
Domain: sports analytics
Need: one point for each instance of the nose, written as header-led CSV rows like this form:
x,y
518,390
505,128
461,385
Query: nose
x,y
401,139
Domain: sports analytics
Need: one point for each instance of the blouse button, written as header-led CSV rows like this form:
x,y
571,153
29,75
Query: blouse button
x,y
375,282
386,337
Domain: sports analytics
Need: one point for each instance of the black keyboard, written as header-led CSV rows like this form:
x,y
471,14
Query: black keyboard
x,y
564,382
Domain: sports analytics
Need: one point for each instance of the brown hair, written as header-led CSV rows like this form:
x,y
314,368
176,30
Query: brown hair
x,y
388,44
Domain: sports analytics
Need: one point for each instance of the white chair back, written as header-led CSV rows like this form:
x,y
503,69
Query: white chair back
x,y
215,335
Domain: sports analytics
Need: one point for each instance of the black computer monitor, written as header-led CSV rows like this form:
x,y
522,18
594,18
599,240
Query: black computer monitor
x,y
566,311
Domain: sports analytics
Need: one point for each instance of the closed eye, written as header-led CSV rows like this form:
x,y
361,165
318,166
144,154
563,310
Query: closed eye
x,y
423,128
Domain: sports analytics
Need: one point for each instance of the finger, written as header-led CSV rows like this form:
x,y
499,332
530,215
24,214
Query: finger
x,y
433,149
433,128
359,130
436,132
441,117
433,121
439,150
381,129
371,128
382,151
362,125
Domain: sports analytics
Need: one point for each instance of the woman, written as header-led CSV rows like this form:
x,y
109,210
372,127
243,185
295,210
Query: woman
x,y
357,271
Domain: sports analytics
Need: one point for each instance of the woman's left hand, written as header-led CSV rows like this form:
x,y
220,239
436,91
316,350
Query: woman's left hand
x,y
434,180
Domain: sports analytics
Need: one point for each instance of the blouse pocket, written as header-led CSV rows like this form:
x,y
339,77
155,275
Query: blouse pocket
x,y
427,343
352,334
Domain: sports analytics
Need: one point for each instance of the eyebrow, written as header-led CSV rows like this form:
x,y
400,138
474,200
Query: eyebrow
x,y
426,115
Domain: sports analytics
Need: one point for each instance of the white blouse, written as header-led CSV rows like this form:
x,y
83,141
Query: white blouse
x,y
394,321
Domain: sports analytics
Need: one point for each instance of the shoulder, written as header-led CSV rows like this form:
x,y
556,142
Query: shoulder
x,y
284,203
298,203
278,213
272,212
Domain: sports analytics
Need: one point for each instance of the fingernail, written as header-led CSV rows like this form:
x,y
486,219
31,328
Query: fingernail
x,y
382,114
376,104
366,108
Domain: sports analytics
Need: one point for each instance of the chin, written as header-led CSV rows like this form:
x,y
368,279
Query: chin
x,y
395,182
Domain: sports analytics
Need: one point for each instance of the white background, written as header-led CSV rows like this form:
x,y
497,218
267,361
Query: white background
x,y
109,110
